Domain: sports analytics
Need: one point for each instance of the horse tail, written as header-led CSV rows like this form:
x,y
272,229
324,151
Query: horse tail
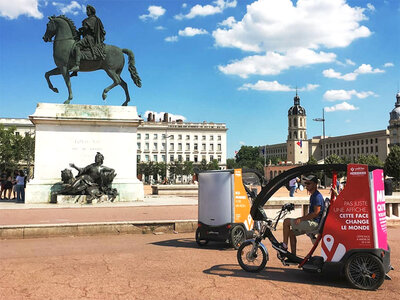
x,y
132,69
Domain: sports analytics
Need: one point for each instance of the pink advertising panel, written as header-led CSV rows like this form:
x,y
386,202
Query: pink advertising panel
x,y
378,209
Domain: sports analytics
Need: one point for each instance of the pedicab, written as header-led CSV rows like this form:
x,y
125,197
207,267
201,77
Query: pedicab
x,y
224,202
352,231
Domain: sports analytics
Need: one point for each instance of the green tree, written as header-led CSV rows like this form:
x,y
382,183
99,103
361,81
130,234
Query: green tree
x,y
392,163
231,163
15,150
203,165
312,161
333,159
371,160
249,157
213,165
188,168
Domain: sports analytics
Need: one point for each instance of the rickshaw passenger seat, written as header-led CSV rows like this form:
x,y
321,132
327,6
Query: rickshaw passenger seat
x,y
321,224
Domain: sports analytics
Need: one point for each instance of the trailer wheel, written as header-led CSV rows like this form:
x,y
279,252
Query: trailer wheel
x,y
252,258
199,240
364,271
238,236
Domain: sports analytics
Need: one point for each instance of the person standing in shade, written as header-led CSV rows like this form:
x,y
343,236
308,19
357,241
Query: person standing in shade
x,y
20,186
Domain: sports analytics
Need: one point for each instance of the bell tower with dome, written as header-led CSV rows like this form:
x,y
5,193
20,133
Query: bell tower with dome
x,y
297,143
394,123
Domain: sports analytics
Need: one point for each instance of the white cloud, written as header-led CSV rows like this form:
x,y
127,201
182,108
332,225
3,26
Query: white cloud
x,y
229,22
73,8
154,13
160,115
242,143
367,69
388,64
13,9
334,95
274,86
173,38
279,28
370,7
274,63
189,31
160,28
207,10
341,106
363,69
350,62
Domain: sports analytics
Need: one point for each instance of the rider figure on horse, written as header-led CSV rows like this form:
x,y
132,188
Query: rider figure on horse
x,y
93,36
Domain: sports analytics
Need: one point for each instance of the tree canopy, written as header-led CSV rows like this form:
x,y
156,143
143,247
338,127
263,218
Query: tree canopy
x,y
392,163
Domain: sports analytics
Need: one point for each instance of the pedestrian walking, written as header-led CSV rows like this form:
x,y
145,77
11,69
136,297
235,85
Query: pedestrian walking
x,y
292,187
3,179
20,186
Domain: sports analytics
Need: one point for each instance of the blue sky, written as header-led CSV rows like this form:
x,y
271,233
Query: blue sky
x,y
236,62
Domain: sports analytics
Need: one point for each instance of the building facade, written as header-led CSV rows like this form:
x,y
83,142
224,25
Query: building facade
x,y
298,149
394,124
166,140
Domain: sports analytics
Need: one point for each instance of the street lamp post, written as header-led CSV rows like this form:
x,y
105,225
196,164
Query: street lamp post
x,y
166,155
323,137
323,132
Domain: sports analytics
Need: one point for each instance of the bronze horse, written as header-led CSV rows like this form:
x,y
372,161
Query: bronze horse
x,y
65,34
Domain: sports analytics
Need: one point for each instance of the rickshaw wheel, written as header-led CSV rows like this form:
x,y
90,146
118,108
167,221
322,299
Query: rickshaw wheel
x,y
250,260
199,240
238,236
365,271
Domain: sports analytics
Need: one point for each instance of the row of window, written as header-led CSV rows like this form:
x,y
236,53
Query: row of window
x,y
179,147
352,143
368,150
178,136
172,157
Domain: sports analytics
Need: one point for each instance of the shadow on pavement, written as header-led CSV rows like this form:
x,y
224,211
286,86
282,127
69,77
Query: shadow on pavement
x,y
284,274
12,200
191,243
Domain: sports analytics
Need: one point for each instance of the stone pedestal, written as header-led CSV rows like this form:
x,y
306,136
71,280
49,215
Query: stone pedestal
x,y
74,134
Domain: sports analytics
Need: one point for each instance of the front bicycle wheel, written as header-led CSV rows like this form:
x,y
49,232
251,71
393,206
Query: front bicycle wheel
x,y
252,257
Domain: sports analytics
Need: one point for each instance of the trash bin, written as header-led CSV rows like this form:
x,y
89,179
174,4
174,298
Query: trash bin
x,y
388,187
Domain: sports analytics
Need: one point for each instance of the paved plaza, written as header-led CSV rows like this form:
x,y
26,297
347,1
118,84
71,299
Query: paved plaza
x,y
166,266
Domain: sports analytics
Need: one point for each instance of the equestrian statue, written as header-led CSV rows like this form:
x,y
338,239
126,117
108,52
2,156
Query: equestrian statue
x,y
72,54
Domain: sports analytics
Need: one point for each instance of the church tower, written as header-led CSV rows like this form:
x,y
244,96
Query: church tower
x,y
297,144
394,123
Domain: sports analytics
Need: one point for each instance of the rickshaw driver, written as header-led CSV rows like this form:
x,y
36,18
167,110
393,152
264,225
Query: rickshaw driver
x,y
305,224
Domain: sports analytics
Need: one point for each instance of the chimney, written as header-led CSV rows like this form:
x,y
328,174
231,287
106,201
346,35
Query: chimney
x,y
149,117
154,118
165,117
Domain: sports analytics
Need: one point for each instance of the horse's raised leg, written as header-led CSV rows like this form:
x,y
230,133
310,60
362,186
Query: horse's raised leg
x,y
67,80
116,81
55,71
125,87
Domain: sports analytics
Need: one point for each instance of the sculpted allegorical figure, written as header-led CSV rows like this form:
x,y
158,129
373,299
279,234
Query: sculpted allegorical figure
x,y
94,180
93,36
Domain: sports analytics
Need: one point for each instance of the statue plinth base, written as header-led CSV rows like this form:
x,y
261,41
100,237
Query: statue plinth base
x,y
74,134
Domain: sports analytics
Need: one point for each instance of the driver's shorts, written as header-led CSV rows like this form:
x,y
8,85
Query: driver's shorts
x,y
303,227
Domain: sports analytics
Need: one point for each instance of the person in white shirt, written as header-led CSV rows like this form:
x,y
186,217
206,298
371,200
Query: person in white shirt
x,y
19,186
